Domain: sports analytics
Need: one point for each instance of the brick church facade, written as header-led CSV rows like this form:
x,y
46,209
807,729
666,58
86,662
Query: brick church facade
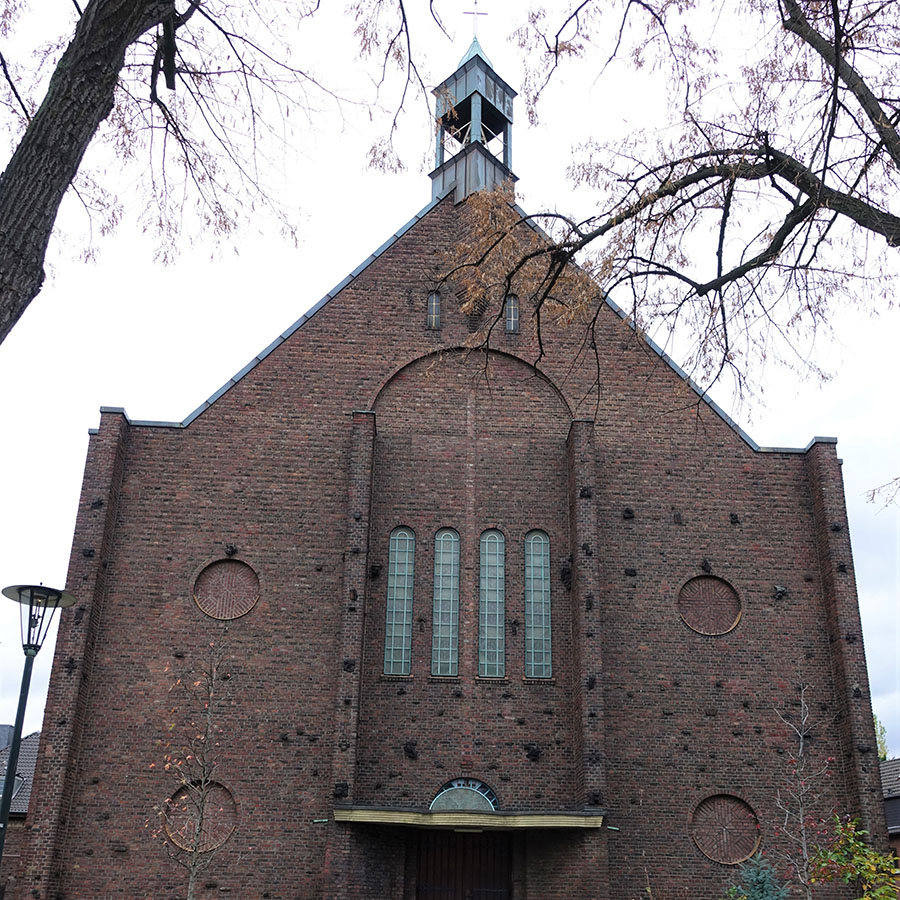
x,y
487,631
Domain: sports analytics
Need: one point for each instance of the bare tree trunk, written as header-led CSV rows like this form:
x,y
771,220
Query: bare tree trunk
x,y
78,99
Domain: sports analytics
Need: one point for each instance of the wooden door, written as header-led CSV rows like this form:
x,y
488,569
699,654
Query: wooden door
x,y
463,866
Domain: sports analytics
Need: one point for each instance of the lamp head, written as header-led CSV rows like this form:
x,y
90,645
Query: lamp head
x,y
38,603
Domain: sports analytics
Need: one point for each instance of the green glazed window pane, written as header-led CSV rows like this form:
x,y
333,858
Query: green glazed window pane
x,y
399,606
445,608
538,643
492,613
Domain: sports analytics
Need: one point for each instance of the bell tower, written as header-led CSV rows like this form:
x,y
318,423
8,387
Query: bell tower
x,y
474,128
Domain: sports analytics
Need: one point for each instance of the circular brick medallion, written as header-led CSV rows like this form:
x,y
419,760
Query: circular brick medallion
x,y
725,829
200,819
709,605
226,589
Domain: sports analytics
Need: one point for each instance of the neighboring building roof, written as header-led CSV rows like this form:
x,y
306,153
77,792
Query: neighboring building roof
x,y
28,752
890,778
890,787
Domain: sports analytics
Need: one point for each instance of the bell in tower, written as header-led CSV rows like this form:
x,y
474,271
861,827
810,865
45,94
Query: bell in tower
x,y
474,128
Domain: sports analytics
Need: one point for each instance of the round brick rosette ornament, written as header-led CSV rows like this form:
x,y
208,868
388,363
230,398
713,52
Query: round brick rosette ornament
x,y
725,829
709,605
201,816
226,589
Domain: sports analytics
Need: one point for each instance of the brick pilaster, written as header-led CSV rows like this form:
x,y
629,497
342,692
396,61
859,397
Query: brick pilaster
x,y
56,773
588,656
848,658
353,604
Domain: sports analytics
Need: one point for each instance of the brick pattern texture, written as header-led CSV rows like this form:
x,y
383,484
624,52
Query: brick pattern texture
x,y
363,421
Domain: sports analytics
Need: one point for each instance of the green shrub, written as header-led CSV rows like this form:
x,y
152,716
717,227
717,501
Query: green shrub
x,y
757,881
849,858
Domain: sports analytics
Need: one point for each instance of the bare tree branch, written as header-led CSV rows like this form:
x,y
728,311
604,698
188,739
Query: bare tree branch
x,y
12,87
797,23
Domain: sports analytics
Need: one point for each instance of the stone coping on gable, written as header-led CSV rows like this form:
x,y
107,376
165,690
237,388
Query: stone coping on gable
x,y
701,394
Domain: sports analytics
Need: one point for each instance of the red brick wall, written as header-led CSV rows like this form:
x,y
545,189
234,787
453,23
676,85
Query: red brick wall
x,y
643,717
13,854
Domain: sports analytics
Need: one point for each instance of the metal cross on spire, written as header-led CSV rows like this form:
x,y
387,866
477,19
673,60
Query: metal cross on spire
x,y
474,14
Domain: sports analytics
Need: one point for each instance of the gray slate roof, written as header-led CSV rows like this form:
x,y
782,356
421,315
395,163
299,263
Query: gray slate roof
x,y
890,787
28,752
890,778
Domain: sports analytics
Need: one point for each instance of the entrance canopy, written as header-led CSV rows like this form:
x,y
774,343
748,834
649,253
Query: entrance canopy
x,y
470,819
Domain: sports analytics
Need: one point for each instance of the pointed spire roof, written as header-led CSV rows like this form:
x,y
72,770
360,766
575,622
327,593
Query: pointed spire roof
x,y
474,50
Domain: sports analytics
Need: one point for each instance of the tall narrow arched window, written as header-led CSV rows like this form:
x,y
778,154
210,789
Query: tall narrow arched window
x,y
433,311
538,636
492,607
445,612
512,313
398,614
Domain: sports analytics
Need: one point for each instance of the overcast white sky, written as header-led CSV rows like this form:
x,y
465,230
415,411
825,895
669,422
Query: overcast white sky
x,y
158,340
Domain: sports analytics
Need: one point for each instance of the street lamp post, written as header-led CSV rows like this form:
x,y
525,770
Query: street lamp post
x,y
38,603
